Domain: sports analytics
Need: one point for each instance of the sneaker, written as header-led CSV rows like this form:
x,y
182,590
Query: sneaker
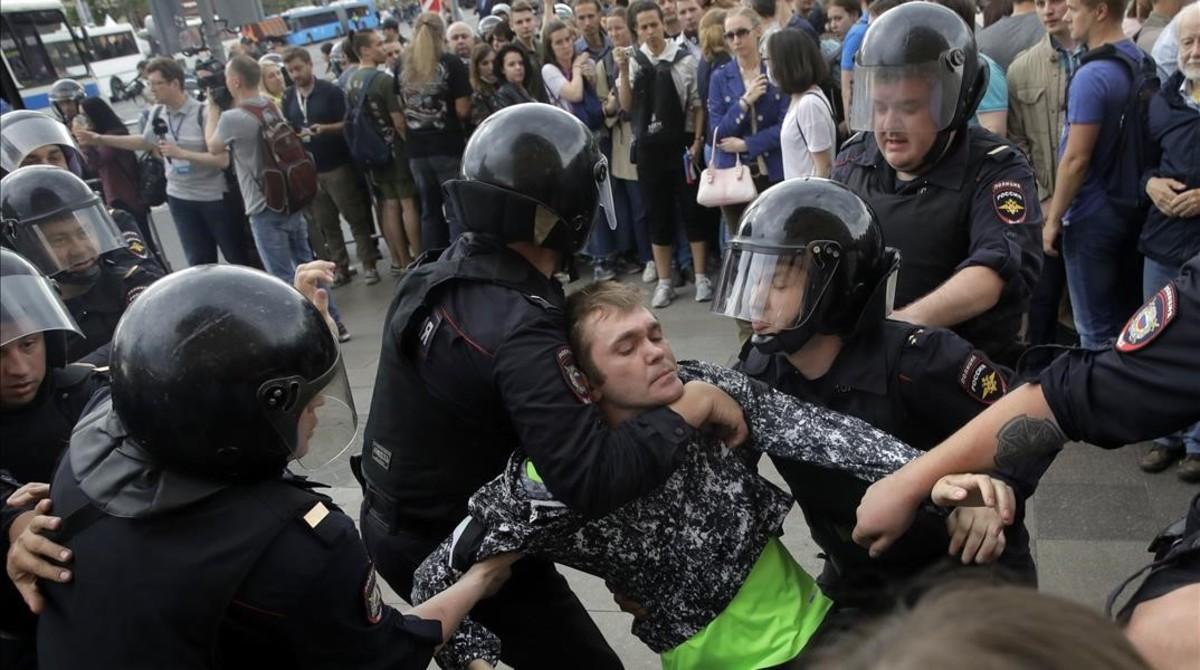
x,y
650,273
628,267
1189,468
397,270
704,289
664,293
343,333
1159,458
370,275
340,278
602,271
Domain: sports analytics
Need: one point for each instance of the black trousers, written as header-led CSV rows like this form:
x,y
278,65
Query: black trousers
x,y
539,620
667,198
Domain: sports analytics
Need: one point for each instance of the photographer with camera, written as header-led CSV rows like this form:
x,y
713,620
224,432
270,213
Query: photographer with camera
x,y
195,183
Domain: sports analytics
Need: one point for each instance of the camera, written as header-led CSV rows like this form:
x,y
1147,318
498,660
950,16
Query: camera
x,y
212,84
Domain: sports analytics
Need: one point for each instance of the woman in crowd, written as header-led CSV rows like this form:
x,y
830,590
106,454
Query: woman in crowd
x,y
715,55
435,93
840,15
501,35
483,84
567,76
272,84
745,110
512,70
117,168
808,137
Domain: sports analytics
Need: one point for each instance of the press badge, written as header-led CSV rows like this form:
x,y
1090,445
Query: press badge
x,y
182,166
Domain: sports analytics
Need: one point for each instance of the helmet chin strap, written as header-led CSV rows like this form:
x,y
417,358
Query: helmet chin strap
x,y
83,278
786,341
941,146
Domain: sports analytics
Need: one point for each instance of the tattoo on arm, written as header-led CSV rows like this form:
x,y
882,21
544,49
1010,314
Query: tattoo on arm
x,y
1028,445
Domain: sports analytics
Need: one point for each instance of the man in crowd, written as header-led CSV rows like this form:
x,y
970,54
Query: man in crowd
x,y
393,184
195,181
1037,105
666,122
972,271
390,29
234,138
1171,234
1161,14
1099,235
317,110
461,39
670,18
525,27
592,37
1011,35
690,12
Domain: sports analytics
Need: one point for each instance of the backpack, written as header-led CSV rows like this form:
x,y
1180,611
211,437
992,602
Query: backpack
x,y
368,146
289,175
1135,150
658,118
589,110
152,169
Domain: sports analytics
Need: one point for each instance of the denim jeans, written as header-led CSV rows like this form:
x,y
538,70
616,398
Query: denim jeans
x,y
604,243
631,215
204,226
282,241
1154,276
430,173
1103,276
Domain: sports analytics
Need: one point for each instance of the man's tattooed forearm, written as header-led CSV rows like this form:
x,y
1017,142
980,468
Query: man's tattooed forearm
x,y
1028,445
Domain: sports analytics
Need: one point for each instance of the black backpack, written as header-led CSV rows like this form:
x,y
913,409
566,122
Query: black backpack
x,y
658,117
368,145
1136,150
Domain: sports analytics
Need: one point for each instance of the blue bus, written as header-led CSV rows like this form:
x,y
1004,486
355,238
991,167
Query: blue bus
x,y
356,14
313,24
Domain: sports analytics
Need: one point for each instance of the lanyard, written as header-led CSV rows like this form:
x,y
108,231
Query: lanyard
x,y
303,100
175,130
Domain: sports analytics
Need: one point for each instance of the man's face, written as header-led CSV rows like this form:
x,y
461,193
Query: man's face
x,y
1189,47
373,54
391,53
635,359
72,244
778,295
47,154
904,125
68,108
164,92
618,31
300,72
22,369
1081,19
461,39
689,15
587,18
522,25
650,30
668,10
1053,14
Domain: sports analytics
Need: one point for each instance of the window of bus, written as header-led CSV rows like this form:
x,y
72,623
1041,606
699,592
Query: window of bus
x,y
120,45
40,48
315,20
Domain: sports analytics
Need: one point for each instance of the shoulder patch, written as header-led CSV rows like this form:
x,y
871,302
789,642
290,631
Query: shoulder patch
x,y
1150,321
372,598
134,243
1008,200
981,380
576,380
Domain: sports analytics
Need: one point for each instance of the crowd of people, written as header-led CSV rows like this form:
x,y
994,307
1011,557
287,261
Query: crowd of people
x,y
950,239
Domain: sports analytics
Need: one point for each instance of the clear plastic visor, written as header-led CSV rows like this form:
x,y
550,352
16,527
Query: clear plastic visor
x,y
70,241
774,291
604,193
323,423
30,305
909,98
19,138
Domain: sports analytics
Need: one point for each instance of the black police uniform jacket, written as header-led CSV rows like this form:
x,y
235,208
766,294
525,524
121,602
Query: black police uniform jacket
x,y
919,384
1147,384
34,437
976,207
175,572
682,551
475,362
124,274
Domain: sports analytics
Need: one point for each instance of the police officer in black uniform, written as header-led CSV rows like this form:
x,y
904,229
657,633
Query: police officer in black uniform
x,y
808,269
41,398
51,217
475,361
192,546
65,97
958,202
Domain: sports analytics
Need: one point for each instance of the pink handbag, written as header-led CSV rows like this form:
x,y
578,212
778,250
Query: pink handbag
x,y
725,186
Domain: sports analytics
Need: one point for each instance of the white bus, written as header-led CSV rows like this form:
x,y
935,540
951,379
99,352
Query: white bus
x,y
39,48
115,51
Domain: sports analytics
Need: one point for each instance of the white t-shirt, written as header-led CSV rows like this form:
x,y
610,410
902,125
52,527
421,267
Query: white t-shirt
x,y
555,81
808,127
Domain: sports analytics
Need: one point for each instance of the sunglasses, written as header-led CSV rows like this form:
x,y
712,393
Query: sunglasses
x,y
740,32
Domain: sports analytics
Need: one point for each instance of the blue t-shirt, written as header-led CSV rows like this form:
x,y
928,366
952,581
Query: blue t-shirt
x,y
995,98
853,41
1098,93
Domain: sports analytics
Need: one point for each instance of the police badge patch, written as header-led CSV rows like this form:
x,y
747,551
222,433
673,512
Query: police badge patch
x,y
981,380
576,380
372,598
1151,320
134,243
1008,199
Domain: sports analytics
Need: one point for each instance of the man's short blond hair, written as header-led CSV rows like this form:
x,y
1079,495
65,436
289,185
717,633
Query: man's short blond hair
x,y
596,298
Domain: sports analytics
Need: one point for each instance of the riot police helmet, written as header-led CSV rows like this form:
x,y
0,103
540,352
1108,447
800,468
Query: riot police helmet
x,y
30,304
66,90
808,258
52,218
532,173
487,24
32,138
227,373
501,9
